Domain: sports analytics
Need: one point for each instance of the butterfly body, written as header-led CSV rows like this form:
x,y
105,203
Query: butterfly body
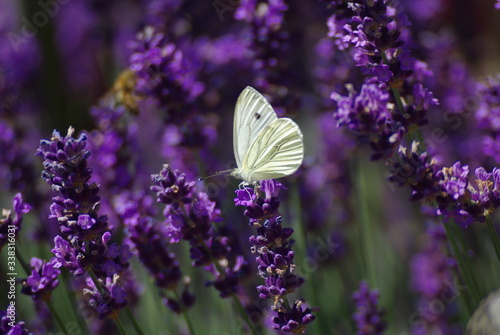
x,y
265,146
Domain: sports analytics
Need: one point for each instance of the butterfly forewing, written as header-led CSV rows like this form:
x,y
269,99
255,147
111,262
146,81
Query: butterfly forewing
x,y
277,152
251,116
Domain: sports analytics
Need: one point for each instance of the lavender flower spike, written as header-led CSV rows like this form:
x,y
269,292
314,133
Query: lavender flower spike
x,y
66,171
83,245
368,316
150,243
294,320
432,279
190,216
275,257
108,303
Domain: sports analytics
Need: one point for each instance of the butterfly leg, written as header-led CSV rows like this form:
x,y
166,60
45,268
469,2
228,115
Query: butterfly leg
x,y
243,185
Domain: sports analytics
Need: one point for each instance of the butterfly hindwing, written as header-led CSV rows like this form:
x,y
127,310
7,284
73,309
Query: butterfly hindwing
x,y
276,152
252,114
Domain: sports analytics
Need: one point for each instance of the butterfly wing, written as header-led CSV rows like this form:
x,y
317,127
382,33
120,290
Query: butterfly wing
x,y
277,151
252,114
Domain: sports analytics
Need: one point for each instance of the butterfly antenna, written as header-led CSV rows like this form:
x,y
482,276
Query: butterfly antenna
x,y
218,173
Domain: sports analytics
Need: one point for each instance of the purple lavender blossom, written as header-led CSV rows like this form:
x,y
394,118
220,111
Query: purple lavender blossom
x,y
17,172
426,10
269,43
178,194
43,279
418,171
163,71
186,298
9,326
491,146
89,33
223,51
336,25
113,144
445,73
77,38
368,316
377,115
431,268
368,116
84,241
457,198
228,284
260,208
44,321
468,202
65,169
161,12
107,301
190,216
11,223
332,69
275,257
488,114
294,320
167,73
152,249
67,256
20,60
374,31
432,278
455,180
14,166
368,109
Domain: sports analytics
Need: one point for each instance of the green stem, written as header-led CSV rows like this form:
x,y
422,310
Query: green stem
x,y
463,244
398,100
493,236
463,267
134,321
312,290
244,314
120,326
72,299
220,270
185,313
302,232
96,282
286,303
55,315
367,233
23,263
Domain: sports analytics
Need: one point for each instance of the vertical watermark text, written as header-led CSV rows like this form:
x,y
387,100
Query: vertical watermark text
x,y
11,274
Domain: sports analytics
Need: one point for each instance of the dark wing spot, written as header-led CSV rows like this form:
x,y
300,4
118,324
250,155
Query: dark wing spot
x,y
257,116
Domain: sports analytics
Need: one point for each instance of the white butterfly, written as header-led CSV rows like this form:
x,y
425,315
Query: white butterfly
x,y
265,146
